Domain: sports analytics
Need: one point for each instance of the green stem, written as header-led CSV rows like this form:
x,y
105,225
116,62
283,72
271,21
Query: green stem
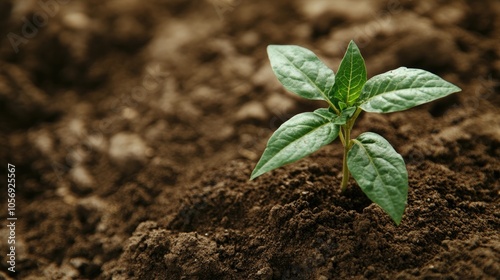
x,y
341,136
346,141
345,169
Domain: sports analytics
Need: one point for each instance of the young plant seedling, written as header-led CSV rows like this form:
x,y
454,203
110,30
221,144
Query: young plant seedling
x,y
378,169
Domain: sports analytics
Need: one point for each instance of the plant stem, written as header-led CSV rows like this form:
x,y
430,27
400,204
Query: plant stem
x,y
341,136
346,141
345,169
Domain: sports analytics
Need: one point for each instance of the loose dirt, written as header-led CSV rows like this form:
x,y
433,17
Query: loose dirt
x,y
134,127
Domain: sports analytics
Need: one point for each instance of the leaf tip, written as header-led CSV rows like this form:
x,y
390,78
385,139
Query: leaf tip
x,y
253,175
271,48
256,173
397,220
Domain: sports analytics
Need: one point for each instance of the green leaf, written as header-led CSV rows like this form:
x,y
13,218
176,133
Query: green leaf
x,y
345,115
401,89
325,113
301,71
341,105
380,172
351,77
298,137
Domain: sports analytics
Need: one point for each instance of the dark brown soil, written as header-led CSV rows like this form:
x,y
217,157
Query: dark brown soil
x,y
134,127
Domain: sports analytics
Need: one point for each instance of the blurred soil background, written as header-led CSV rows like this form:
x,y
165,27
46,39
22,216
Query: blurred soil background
x,y
134,126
